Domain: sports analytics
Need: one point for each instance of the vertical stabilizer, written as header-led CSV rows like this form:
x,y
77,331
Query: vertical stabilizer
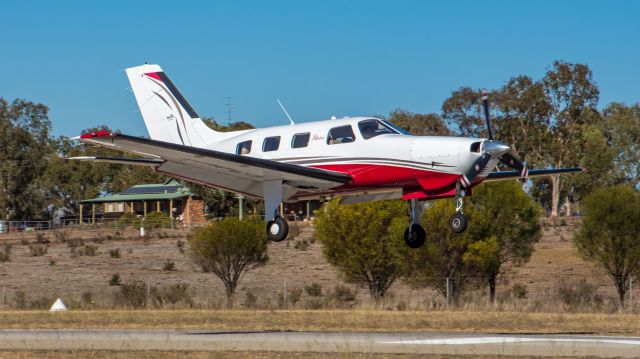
x,y
166,113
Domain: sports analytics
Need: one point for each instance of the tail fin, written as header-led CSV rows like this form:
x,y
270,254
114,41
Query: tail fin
x,y
166,113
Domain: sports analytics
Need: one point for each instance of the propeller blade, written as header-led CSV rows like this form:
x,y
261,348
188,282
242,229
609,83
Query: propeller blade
x,y
477,167
510,160
485,106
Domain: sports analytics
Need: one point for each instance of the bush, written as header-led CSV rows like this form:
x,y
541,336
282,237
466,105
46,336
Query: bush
x,y
302,245
37,250
129,219
519,291
314,290
41,303
180,244
52,262
156,219
5,251
75,242
114,253
342,297
41,238
21,299
60,235
250,300
169,266
90,250
580,295
172,294
87,298
115,280
131,294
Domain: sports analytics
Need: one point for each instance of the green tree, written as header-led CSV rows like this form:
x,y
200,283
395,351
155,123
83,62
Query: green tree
x,y
70,181
364,241
505,227
24,149
543,121
419,124
610,234
623,132
439,263
573,97
229,249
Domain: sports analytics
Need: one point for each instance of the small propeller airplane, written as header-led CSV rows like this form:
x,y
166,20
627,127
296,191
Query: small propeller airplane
x,y
357,158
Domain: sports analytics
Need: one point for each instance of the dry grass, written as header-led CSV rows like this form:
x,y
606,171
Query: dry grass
x,y
102,354
332,321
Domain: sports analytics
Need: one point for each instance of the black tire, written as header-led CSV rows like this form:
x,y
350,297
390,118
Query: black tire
x,y
458,223
277,229
415,236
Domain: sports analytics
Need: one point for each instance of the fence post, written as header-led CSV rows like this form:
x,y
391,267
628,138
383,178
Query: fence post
x,y
448,292
285,294
631,293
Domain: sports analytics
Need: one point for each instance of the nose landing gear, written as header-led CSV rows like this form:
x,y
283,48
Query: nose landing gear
x,y
415,235
458,222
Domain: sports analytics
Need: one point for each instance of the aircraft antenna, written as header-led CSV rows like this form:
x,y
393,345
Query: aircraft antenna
x,y
285,112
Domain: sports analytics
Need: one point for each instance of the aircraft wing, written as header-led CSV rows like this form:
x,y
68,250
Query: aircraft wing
x,y
505,175
230,172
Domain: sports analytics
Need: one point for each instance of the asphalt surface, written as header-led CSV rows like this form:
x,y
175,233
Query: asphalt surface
x,y
422,343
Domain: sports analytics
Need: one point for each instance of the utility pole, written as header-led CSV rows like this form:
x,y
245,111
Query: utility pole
x,y
229,111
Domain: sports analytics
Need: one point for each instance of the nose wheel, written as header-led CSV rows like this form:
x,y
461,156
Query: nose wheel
x,y
458,222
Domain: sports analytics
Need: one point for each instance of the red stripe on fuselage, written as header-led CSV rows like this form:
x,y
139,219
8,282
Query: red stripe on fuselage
x,y
372,175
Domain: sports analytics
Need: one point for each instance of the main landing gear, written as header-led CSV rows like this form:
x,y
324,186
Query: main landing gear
x,y
458,222
277,229
415,235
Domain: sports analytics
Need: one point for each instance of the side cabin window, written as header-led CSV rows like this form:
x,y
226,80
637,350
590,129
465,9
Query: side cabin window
x,y
243,148
271,144
372,128
342,134
300,140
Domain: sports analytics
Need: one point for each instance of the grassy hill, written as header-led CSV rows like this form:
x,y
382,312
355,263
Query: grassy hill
x,y
79,264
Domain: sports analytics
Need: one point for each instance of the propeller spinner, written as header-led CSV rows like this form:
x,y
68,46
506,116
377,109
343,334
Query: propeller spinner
x,y
492,148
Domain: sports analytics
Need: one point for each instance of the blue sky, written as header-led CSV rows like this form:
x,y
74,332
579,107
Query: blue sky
x,y
321,58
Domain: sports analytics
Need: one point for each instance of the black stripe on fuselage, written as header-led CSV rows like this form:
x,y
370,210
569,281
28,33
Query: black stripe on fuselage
x,y
178,95
321,160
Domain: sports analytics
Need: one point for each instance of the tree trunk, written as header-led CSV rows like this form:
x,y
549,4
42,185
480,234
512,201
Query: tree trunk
x,y
229,292
621,286
555,194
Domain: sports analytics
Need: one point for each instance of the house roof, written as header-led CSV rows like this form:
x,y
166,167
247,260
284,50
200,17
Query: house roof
x,y
171,189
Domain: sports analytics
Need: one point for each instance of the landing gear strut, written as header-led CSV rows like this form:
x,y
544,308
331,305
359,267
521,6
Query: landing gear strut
x,y
415,235
458,222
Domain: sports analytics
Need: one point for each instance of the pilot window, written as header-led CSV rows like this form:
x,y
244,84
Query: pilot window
x,y
300,140
271,144
342,134
243,148
372,128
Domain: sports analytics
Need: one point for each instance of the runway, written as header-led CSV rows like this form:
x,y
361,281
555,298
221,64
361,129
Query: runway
x,y
420,343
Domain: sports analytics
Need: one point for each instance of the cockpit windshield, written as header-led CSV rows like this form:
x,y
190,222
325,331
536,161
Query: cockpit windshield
x,y
373,127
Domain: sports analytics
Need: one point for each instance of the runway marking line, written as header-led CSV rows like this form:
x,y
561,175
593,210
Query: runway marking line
x,y
508,340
